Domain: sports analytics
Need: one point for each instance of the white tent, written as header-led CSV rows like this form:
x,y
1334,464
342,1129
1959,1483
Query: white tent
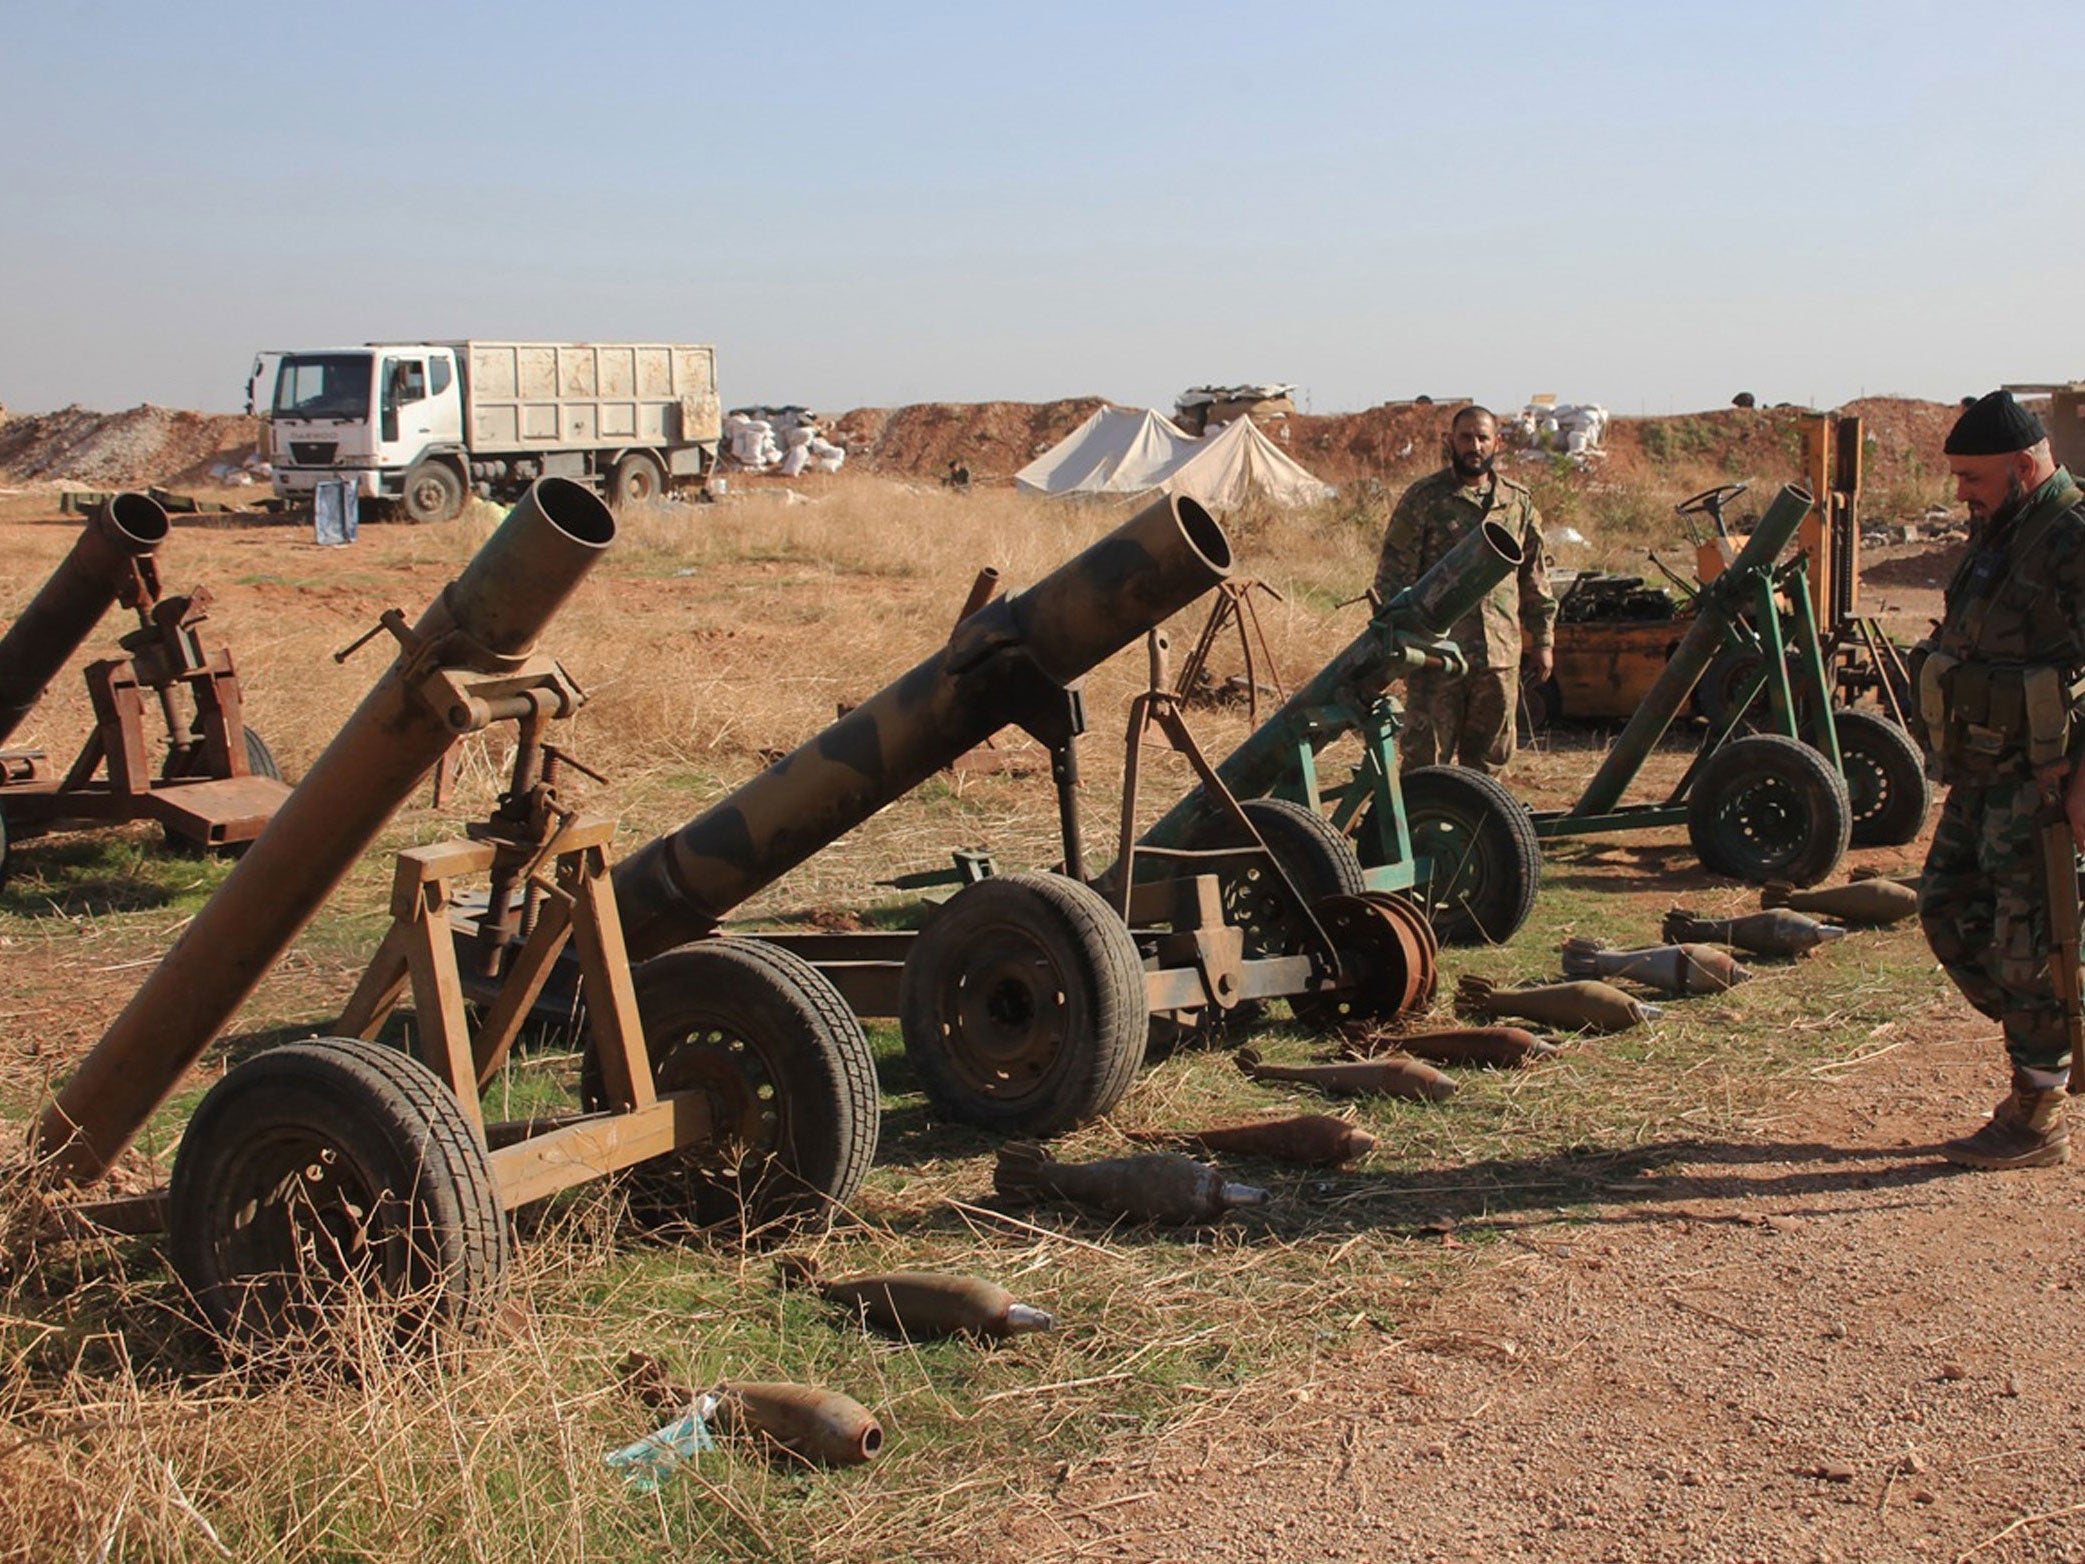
x,y
1116,451
1238,462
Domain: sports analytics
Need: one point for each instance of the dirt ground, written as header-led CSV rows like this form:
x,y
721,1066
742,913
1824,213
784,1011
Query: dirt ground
x,y
1812,1341
1807,1339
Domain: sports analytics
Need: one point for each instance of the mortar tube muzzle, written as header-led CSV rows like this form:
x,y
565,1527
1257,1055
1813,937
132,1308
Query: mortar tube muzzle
x,y
494,610
123,529
1459,580
1010,662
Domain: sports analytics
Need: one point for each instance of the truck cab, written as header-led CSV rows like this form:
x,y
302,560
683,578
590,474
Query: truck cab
x,y
381,417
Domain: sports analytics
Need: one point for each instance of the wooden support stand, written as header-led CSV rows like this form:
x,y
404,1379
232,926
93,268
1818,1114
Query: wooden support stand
x,y
530,1158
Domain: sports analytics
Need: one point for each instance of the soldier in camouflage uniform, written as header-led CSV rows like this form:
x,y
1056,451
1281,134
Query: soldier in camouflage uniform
x,y
1999,702
1468,719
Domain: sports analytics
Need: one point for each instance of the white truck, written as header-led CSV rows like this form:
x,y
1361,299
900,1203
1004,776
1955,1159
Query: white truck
x,y
417,426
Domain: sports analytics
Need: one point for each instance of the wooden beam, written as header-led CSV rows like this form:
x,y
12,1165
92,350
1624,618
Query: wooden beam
x,y
542,1165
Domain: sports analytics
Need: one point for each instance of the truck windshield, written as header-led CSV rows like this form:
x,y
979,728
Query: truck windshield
x,y
323,385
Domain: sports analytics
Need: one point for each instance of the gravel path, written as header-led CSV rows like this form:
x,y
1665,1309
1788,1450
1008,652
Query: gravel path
x,y
1815,1342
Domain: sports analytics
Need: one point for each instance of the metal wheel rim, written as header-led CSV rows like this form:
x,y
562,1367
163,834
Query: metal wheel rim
x,y
746,1105
1005,1013
1451,840
428,494
1254,904
1767,817
297,1218
1867,784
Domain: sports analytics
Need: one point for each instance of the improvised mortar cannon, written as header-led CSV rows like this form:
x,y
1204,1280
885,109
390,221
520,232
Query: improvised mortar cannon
x,y
1453,839
337,1162
218,783
1026,1002
1765,806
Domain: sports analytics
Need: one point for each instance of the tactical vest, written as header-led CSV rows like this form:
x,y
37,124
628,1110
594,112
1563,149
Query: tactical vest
x,y
2001,684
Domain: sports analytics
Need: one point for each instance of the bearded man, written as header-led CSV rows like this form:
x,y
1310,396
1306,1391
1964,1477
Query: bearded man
x,y
1467,719
2001,697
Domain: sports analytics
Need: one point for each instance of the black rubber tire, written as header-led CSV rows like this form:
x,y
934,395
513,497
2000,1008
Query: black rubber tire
x,y
1726,675
432,492
1766,807
1319,862
1886,786
1312,852
395,1195
791,1080
1485,861
1715,694
638,480
6,852
1022,1005
260,760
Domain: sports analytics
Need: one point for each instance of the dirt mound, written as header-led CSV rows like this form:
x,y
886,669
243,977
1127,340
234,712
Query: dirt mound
x,y
994,439
1397,441
1394,442
1903,440
145,445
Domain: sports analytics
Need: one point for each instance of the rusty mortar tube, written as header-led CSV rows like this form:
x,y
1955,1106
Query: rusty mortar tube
x,y
123,528
1718,603
1429,607
487,617
1007,663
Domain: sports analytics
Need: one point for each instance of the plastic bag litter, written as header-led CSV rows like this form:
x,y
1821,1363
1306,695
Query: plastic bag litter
x,y
651,1460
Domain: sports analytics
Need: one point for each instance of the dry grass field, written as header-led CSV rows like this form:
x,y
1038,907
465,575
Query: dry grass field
x,y
709,638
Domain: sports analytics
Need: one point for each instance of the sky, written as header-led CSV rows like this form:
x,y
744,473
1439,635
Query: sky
x,y
1648,205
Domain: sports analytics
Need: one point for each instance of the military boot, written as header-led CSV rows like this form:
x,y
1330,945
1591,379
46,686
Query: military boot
x,y
2026,1131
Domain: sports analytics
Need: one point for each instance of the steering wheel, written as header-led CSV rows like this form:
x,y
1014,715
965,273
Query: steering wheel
x,y
1711,501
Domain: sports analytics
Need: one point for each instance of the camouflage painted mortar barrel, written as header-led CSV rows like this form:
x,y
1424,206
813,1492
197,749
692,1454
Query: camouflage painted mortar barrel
x,y
1430,606
1007,663
125,527
485,620
1720,602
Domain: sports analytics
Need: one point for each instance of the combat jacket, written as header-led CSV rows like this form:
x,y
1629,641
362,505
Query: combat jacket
x,y
2001,681
1438,512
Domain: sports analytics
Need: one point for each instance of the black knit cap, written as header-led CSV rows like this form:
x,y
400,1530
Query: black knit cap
x,y
1994,425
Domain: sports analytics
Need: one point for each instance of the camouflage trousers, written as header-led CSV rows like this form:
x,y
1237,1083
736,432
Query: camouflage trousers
x,y
1465,721
1984,904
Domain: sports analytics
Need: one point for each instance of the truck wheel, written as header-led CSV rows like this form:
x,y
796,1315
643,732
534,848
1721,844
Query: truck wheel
x,y
321,1170
1474,848
638,480
1022,1005
1769,808
1885,779
789,1077
433,492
